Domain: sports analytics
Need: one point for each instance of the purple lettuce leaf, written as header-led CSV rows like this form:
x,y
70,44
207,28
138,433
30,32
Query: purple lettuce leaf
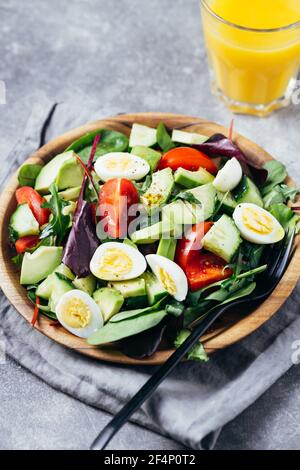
x,y
220,146
82,241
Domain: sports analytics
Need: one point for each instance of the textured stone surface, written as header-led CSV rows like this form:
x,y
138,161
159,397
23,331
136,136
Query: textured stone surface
x,y
130,55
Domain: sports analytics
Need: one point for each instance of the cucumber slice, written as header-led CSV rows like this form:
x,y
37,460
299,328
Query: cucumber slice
x,y
227,201
23,222
189,138
223,239
247,191
134,292
44,289
142,135
192,179
154,289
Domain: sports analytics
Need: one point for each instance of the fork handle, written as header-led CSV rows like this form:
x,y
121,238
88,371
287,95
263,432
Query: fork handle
x,y
151,385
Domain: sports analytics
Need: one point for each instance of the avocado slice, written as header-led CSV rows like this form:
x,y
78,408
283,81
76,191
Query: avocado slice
x,y
64,170
159,191
149,155
192,179
44,290
70,194
38,265
60,287
109,300
23,222
153,233
87,284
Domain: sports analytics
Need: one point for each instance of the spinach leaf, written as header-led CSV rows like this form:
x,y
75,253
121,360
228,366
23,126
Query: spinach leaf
x,y
121,316
17,260
12,235
237,294
111,141
276,174
115,331
59,223
197,353
163,138
285,216
28,174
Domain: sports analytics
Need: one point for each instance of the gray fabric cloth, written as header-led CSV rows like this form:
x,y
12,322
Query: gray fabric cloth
x,y
194,403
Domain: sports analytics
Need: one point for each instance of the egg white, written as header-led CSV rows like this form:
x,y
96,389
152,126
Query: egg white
x,y
275,235
175,272
121,165
96,320
137,260
229,176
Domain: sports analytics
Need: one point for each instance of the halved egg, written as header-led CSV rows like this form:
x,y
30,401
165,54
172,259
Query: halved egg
x,y
121,165
170,275
257,225
78,313
114,261
229,176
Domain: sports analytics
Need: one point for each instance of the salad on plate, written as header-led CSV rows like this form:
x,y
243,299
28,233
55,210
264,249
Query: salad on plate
x,y
134,240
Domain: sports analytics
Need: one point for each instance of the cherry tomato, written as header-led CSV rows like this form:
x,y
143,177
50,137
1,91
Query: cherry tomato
x,y
116,196
205,269
189,245
28,195
187,158
26,243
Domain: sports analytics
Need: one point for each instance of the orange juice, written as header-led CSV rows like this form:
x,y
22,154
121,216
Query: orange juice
x,y
254,51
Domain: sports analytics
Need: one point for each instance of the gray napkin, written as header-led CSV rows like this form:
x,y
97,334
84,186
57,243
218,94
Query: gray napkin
x,y
194,403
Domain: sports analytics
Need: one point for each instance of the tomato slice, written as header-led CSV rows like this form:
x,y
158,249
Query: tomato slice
x,y
28,195
116,196
205,269
187,158
26,243
190,245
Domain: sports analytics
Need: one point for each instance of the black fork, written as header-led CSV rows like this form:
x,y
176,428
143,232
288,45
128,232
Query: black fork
x,y
279,256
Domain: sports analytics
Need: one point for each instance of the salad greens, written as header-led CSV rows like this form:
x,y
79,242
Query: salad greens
x,y
59,224
157,283
111,141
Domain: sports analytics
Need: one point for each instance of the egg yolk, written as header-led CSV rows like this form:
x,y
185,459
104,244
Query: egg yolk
x,y
167,281
114,263
76,313
119,164
257,221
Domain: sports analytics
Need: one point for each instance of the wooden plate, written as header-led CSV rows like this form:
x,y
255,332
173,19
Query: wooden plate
x,y
231,329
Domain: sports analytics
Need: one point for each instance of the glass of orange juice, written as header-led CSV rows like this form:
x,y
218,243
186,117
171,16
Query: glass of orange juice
x,y
254,52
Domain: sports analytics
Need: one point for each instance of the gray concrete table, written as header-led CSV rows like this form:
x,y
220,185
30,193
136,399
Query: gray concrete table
x,y
137,55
